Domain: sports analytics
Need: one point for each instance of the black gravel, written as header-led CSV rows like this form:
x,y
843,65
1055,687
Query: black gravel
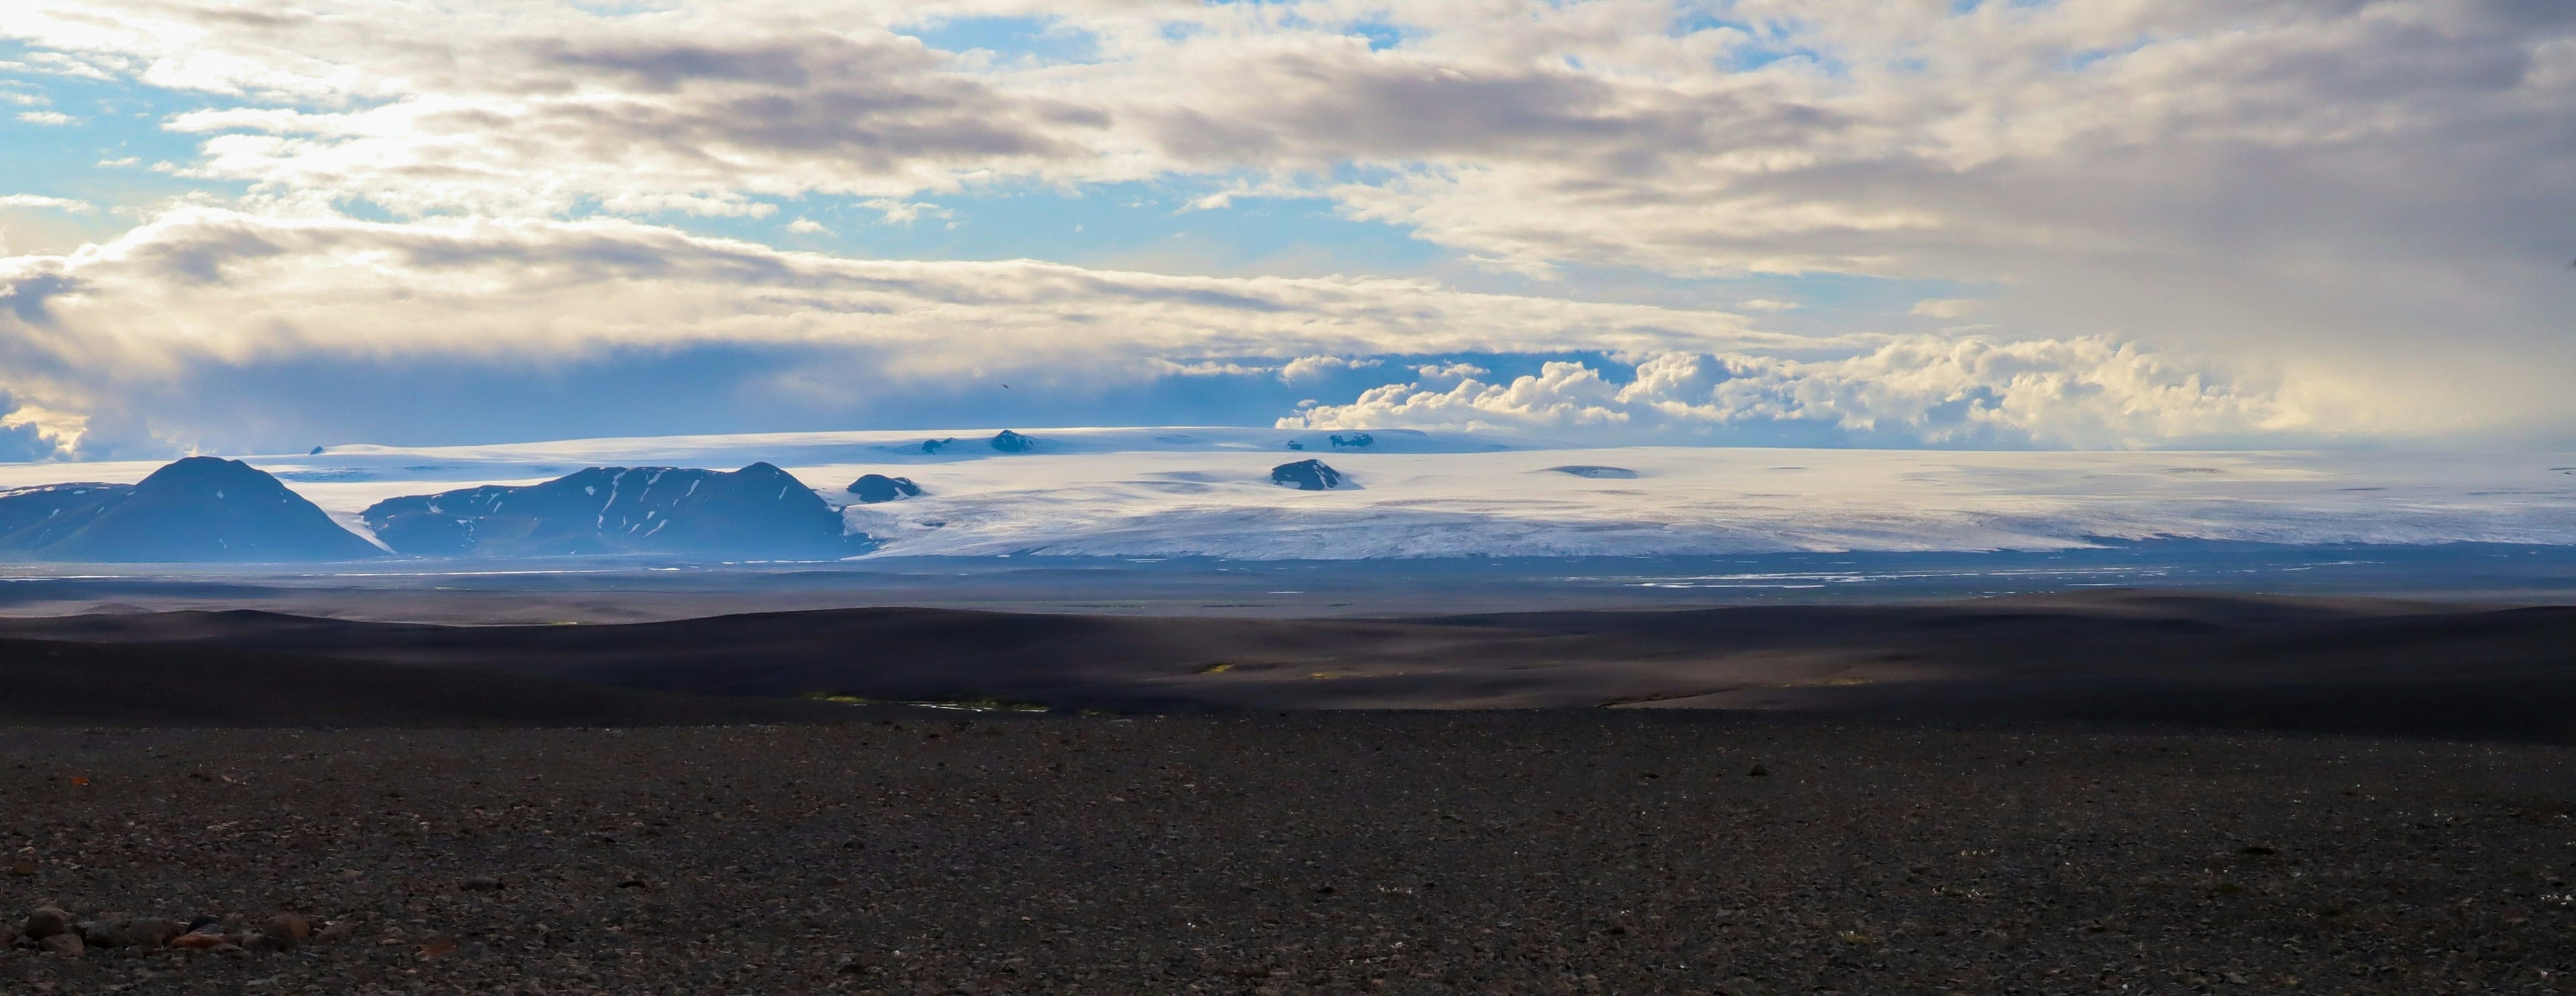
x,y
1404,853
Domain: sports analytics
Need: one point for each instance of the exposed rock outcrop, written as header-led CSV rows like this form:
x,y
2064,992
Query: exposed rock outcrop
x,y
870,489
1307,475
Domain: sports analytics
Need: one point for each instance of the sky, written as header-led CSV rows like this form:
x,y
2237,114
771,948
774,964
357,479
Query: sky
x,y
2085,224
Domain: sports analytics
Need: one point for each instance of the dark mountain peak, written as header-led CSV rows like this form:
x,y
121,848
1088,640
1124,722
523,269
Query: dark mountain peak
x,y
758,511
1306,475
873,488
196,509
206,471
1012,442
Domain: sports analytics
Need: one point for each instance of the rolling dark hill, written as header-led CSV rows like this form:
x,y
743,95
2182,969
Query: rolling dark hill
x,y
2299,664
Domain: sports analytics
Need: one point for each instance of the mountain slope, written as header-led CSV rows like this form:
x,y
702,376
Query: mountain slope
x,y
758,511
200,509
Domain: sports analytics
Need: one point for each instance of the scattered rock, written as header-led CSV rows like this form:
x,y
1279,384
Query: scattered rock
x,y
105,932
1759,771
337,930
1354,441
1306,475
260,941
8,936
482,883
205,938
24,864
47,921
873,488
289,928
151,932
63,944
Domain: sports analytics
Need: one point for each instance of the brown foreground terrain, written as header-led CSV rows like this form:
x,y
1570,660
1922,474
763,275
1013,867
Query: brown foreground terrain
x,y
1564,851
2114,793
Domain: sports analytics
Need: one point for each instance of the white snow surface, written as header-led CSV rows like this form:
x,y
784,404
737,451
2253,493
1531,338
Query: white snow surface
x,y
1163,492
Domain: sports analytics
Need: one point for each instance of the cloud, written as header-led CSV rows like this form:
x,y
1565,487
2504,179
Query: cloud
x,y
2085,393
145,330
1448,372
1768,304
546,108
903,212
46,117
1942,307
29,433
2216,177
1312,368
807,226
42,201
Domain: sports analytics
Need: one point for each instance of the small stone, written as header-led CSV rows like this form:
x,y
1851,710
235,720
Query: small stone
x,y
24,863
1759,771
150,932
63,944
259,941
338,930
482,883
2234,978
290,928
199,941
8,936
1741,986
46,921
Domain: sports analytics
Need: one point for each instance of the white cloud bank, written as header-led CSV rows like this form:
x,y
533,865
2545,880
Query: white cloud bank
x,y
2083,393
2363,204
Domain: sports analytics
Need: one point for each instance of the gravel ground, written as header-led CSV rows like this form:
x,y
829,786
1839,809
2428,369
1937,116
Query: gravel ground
x,y
929,852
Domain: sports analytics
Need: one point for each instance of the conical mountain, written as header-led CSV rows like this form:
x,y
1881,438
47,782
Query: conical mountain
x,y
200,509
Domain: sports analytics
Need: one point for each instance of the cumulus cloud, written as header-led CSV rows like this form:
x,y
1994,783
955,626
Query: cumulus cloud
x,y
203,290
46,117
2364,200
545,108
42,201
2091,393
1313,368
30,433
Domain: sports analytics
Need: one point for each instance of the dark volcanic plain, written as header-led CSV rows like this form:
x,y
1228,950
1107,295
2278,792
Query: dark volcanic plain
x,y
1331,852
2112,793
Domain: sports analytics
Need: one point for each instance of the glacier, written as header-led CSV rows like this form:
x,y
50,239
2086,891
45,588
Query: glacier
x,y
1206,492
